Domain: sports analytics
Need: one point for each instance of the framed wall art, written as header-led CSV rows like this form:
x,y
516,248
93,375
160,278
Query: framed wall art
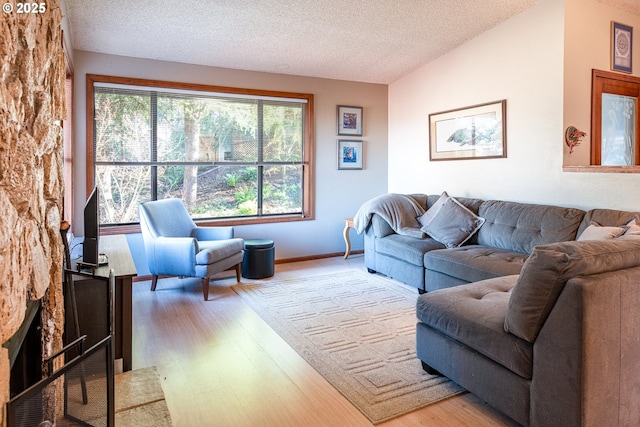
x,y
621,47
472,132
350,154
349,120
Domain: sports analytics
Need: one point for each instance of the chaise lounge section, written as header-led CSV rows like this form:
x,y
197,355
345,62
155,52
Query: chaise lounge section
x,y
556,345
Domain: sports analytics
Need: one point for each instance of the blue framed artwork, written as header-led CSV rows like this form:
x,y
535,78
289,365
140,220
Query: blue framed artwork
x,y
349,120
350,154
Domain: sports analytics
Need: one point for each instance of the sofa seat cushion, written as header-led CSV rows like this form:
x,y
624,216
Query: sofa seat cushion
x,y
474,262
407,248
474,315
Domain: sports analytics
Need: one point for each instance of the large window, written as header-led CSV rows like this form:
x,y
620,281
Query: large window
x,y
232,155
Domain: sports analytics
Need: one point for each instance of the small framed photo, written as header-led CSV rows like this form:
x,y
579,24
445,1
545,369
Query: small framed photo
x,y
349,120
350,154
621,47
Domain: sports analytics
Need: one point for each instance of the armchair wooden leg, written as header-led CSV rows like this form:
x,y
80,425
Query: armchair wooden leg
x,y
154,282
238,271
205,288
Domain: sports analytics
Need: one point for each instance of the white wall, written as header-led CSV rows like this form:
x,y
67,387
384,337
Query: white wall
x,y
522,61
339,193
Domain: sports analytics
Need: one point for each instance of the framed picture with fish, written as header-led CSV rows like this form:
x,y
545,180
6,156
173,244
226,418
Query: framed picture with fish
x,y
476,132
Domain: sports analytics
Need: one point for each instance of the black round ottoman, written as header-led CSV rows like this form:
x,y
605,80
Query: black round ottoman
x,y
259,258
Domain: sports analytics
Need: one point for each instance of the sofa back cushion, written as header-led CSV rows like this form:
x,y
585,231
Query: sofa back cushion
x,y
549,267
606,217
519,226
470,203
420,198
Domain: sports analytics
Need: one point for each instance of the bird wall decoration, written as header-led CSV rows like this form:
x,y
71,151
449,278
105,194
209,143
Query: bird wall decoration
x,y
573,137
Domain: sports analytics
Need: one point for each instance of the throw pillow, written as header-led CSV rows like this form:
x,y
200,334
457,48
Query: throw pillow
x,y
453,224
633,231
633,228
596,231
428,216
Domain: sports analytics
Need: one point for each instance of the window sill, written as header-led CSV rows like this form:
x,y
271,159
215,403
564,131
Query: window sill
x,y
135,228
602,169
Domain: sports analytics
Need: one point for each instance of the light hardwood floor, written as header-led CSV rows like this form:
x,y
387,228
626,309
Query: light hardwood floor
x,y
220,364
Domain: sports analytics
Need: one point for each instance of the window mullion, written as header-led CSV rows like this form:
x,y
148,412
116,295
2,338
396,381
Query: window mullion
x,y
260,134
153,116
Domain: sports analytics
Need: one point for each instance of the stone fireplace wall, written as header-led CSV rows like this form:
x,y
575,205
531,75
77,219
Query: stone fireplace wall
x,y
32,75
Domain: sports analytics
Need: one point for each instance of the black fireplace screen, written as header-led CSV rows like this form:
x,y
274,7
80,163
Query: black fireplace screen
x,y
87,381
84,386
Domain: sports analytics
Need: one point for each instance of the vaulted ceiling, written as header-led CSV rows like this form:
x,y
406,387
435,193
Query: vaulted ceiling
x,y
376,41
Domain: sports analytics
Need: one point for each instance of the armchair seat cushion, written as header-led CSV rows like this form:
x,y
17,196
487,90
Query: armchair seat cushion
x,y
474,315
212,251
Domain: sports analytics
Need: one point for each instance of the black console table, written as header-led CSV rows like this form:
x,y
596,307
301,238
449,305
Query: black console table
x,y
120,261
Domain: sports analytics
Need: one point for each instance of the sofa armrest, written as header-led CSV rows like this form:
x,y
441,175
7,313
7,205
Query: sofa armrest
x,y
380,227
586,354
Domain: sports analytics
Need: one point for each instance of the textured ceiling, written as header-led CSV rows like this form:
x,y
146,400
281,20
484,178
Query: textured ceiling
x,y
629,6
375,41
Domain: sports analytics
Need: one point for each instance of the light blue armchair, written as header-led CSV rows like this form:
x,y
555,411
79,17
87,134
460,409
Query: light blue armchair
x,y
175,246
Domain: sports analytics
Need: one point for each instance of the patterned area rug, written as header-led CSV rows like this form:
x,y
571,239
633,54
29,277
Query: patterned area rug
x,y
140,399
358,331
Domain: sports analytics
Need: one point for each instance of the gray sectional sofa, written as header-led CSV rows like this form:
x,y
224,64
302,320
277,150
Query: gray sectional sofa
x,y
499,248
543,327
